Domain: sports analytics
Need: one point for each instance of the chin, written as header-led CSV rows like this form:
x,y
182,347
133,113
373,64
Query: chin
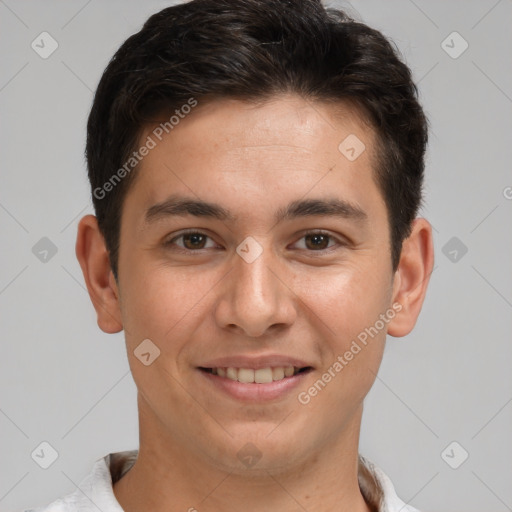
x,y
258,450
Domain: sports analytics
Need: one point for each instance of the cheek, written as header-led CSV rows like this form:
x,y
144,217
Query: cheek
x,y
158,303
347,307
346,300
163,305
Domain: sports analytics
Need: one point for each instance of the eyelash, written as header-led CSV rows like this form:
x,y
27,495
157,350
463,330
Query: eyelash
x,y
308,233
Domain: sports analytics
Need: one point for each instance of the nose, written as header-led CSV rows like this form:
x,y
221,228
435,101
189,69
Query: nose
x,y
255,296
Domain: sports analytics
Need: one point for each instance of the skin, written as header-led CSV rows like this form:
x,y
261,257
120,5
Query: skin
x,y
294,299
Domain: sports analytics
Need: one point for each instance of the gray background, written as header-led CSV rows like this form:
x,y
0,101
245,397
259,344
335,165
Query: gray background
x,y
65,382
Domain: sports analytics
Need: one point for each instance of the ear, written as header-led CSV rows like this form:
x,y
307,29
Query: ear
x,y
92,255
412,277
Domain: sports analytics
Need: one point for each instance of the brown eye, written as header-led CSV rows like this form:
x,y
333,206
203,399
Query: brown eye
x,y
317,241
194,240
191,241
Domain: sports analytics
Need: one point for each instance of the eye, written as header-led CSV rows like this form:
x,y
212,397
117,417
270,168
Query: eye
x,y
318,241
192,241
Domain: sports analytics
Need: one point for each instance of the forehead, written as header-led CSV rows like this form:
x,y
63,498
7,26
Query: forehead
x,y
284,148
285,123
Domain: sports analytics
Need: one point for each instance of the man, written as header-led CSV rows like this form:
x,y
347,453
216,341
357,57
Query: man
x,y
256,169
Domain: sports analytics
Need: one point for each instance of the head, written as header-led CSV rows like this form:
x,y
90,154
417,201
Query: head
x,y
265,128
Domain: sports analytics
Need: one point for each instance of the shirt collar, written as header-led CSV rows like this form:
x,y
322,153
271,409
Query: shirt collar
x,y
96,490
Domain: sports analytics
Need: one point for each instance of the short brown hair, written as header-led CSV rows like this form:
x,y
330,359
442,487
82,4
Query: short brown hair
x,y
252,50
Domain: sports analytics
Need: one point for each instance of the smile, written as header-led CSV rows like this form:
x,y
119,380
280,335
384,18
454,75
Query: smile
x,y
256,376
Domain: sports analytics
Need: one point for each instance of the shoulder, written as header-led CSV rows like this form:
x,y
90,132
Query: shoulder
x,y
95,491
377,488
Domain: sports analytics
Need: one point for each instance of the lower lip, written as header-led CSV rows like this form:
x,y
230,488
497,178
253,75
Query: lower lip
x,y
255,392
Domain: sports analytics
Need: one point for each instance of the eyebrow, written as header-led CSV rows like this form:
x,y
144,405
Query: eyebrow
x,y
183,206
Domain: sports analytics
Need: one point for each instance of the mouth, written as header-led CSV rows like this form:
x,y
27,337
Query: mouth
x,y
257,376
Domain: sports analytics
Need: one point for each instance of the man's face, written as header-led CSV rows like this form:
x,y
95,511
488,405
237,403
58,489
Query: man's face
x,y
255,289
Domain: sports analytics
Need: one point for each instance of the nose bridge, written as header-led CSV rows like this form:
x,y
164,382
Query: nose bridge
x,y
254,280
254,298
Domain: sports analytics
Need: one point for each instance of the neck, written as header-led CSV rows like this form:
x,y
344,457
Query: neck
x,y
168,477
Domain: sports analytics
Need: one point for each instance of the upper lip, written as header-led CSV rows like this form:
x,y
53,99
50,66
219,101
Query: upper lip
x,y
255,362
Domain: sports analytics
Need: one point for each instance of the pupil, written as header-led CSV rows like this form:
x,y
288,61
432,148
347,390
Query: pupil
x,y
317,240
195,238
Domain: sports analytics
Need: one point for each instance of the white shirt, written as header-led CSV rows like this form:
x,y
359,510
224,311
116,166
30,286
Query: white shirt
x,y
95,491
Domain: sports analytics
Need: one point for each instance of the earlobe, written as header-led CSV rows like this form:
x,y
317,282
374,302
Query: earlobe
x,y
92,255
412,277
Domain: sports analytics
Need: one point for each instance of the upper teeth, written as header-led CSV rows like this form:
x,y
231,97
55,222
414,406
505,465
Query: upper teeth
x,y
260,376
